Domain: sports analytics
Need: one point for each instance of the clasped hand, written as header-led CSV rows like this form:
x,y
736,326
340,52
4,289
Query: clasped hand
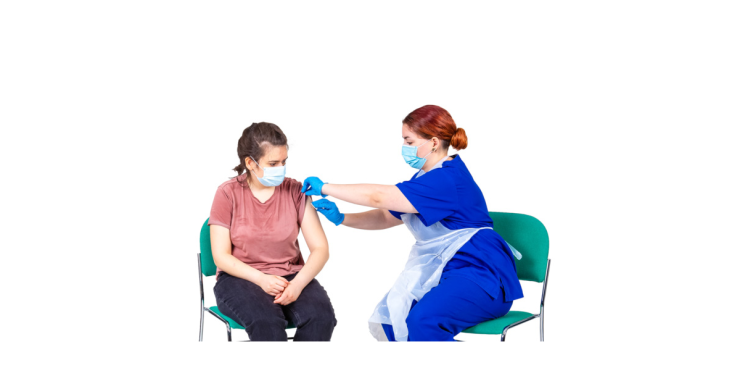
x,y
284,291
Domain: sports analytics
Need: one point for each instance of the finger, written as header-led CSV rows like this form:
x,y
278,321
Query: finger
x,y
325,203
279,288
280,299
320,203
305,185
281,278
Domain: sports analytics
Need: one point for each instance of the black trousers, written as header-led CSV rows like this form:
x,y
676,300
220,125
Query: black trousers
x,y
247,304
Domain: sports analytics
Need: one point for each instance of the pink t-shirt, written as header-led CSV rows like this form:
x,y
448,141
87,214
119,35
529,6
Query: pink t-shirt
x,y
263,235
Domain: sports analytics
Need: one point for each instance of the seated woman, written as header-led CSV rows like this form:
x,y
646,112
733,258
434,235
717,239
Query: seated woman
x,y
262,282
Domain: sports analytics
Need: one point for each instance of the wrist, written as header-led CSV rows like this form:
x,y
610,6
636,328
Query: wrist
x,y
340,220
300,281
324,188
258,278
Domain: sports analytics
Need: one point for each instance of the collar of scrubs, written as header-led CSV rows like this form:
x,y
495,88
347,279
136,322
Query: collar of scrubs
x,y
439,164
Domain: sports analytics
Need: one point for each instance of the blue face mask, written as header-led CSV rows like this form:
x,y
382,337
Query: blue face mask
x,y
273,176
409,155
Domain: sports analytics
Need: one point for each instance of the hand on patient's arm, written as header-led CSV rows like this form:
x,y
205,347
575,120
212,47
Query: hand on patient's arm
x,y
312,186
329,210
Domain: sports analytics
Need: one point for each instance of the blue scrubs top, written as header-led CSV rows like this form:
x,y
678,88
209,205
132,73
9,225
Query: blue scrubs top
x,y
450,195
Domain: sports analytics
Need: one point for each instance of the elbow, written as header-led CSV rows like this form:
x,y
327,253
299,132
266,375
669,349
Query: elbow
x,y
321,251
377,198
217,260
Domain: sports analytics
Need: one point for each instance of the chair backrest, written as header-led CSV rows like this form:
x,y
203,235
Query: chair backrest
x,y
207,267
529,236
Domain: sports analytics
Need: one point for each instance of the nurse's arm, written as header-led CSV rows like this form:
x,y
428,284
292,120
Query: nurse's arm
x,y
377,219
317,245
371,195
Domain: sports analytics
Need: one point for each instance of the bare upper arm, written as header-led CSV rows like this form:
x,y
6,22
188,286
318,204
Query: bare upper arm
x,y
390,197
220,241
311,227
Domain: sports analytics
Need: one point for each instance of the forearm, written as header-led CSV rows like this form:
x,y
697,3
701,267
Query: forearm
x,y
370,220
237,268
369,195
315,262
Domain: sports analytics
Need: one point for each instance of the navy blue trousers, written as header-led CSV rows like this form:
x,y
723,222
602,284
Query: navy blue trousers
x,y
454,305
249,305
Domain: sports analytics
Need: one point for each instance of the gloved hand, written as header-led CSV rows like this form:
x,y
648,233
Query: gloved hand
x,y
329,210
312,186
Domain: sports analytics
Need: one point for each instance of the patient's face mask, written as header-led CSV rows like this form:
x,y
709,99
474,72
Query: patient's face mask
x,y
273,176
410,155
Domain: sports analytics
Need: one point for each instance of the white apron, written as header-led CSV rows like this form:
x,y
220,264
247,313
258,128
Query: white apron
x,y
435,246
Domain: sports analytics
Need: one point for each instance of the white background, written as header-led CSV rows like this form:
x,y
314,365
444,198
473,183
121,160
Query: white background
x,y
611,123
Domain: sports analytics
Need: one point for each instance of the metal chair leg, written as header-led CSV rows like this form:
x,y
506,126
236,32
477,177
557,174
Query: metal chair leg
x,y
512,325
542,326
200,339
228,332
542,302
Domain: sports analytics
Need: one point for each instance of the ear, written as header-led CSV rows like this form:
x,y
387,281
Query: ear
x,y
249,163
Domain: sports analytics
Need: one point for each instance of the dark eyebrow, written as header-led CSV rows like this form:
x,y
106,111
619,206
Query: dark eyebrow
x,y
405,137
286,158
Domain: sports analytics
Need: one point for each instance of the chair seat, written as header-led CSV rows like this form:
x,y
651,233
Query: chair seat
x,y
496,326
236,325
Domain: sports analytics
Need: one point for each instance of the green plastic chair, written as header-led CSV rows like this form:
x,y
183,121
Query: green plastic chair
x,y
206,267
529,236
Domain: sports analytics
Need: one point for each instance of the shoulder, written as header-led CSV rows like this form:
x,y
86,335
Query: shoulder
x,y
447,173
229,186
292,187
451,169
291,184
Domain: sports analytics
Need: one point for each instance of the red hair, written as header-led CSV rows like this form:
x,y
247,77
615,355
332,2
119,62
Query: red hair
x,y
431,120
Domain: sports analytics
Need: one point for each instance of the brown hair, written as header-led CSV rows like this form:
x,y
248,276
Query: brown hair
x,y
254,142
430,121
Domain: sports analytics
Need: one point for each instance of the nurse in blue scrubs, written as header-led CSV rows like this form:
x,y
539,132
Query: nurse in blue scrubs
x,y
460,272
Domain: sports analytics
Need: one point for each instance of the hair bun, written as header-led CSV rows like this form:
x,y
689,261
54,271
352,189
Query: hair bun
x,y
459,140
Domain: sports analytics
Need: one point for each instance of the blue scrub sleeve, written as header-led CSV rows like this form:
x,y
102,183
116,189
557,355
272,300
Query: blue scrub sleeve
x,y
395,214
434,195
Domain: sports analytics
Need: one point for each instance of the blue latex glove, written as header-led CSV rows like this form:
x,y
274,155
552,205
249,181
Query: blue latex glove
x,y
329,210
312,186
